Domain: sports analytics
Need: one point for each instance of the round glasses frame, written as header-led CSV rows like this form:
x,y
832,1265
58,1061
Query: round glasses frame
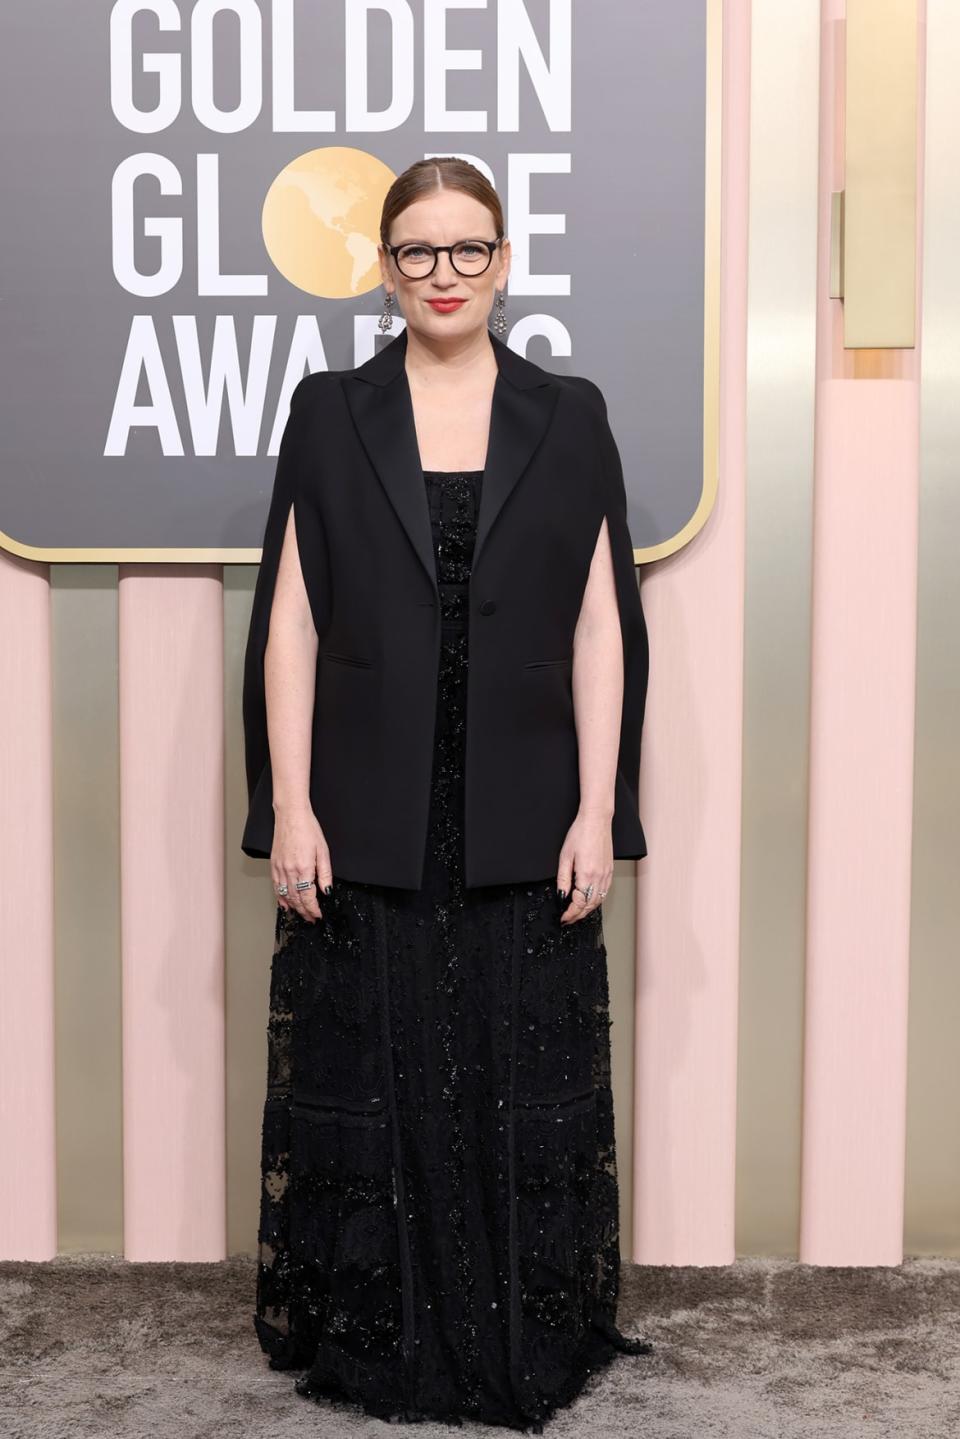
x,y
490,246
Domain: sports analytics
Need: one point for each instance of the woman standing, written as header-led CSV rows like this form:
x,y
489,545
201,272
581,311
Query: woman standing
x,y
439,1209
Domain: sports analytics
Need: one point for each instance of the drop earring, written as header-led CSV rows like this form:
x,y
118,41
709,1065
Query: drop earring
x,y
500,319
386,319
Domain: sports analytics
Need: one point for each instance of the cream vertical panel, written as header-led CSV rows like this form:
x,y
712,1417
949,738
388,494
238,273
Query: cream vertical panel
x,y
781,358
932,1220
880,174
861,743
171,829
87,868
28,1198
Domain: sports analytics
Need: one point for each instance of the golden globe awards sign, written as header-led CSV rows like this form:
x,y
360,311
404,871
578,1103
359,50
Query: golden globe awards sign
x,y
192,192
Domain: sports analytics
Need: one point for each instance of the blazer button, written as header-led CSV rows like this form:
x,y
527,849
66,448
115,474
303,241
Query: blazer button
x,y
488,607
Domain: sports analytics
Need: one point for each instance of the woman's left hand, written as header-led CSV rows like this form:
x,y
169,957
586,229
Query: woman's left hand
x,y
586,858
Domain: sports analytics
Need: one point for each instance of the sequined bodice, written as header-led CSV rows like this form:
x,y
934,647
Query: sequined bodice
x,y
453,497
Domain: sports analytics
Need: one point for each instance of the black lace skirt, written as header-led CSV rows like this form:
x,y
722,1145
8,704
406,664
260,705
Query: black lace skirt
x,y
439,1206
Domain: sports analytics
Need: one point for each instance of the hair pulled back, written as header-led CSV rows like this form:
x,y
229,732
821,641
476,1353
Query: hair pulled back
x,y
440,172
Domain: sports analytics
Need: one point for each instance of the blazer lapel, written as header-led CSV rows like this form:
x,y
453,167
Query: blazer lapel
x,y
378,394
523,403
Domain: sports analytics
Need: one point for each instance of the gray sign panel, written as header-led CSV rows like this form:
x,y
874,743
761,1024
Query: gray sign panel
x,y
192,193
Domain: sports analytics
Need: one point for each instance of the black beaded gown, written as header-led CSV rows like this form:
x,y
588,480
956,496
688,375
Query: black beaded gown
x,y
439,1230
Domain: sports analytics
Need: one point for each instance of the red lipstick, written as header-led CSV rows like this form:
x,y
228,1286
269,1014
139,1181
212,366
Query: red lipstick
x,y
444,307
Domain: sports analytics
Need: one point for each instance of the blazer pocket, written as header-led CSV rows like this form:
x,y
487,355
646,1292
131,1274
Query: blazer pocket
x,y
347,659
543,664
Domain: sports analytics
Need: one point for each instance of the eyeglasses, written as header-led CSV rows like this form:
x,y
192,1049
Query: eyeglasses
x,y
468,257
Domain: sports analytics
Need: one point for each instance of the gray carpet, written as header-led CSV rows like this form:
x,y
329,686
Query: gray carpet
x,y
93,1345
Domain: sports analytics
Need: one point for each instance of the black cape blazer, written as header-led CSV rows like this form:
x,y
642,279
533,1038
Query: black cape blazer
x,y
349,463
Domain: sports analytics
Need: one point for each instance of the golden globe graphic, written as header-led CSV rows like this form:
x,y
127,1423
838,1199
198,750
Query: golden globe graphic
x,y
321,221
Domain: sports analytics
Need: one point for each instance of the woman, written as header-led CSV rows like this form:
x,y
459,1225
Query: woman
x,y
439,1208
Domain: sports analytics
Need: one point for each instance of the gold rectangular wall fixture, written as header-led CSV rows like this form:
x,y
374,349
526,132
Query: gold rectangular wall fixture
x,y
877,243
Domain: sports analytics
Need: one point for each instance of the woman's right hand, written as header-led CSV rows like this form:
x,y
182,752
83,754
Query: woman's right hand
x,y
300,852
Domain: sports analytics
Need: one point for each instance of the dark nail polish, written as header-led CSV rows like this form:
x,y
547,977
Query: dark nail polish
x,y
328,888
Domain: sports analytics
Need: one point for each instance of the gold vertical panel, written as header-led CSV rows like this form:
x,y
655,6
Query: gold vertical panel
x,y
880,185
932,1198
781,363
87,908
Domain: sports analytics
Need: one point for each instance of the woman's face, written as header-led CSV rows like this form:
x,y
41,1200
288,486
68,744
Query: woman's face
x,y
445,218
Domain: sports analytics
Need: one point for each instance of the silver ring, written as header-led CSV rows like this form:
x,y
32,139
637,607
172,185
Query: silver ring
x,y
304,884
281,889
585,892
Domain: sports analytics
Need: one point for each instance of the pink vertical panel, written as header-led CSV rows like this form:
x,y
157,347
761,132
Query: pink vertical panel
x,y
866,526
861,813
171,756
689,889
28,1181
